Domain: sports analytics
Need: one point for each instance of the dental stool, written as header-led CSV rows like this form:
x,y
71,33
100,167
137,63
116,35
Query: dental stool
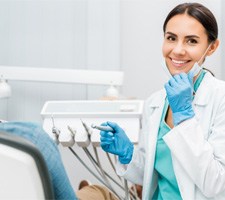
x,y
23,172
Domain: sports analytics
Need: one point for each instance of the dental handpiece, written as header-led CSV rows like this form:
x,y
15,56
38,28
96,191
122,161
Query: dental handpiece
x,y
102,128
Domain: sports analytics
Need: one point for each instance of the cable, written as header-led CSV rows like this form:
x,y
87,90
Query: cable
x,y
101,169
126,190
81,161
134,195
112,165
107,173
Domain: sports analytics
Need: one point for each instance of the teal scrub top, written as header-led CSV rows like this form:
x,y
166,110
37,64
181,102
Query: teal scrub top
x,y
167,184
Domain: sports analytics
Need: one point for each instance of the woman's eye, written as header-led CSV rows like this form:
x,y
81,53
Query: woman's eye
x,y
192,41
170,38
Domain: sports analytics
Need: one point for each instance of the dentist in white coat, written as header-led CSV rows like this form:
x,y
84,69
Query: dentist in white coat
x,y
181,152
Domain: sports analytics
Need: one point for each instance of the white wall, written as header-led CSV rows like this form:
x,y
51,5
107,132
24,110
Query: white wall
x,y
79,34
87,34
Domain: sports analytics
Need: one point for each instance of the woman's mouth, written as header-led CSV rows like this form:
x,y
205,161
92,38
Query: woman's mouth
x,y
179,63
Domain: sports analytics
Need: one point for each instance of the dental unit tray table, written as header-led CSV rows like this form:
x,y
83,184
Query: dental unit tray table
x,y
61,114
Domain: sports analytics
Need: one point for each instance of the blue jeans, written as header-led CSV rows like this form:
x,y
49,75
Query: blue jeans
x,y
34,133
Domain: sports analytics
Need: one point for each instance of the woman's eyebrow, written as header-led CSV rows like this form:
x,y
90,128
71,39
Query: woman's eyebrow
x,y
170,33
188,36
192,36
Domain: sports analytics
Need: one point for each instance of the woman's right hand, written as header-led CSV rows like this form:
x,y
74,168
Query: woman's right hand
x,y
117,142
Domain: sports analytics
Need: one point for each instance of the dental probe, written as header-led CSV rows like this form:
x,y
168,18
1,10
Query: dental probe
x,y
102,128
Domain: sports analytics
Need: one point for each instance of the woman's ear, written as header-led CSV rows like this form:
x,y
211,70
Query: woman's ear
x,y
213,47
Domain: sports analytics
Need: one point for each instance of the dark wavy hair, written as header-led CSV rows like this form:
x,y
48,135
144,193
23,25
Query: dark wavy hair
x,y
200,13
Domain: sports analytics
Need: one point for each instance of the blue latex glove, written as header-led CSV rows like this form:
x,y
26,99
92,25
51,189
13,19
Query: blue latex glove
x,y
117,143
179,91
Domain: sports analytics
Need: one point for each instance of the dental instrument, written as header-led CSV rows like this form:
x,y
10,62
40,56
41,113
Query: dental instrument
x,y
55,131
72,131
67,139
102,128
86,127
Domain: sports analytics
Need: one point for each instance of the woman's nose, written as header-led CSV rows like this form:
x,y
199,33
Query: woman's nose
x,y
179,49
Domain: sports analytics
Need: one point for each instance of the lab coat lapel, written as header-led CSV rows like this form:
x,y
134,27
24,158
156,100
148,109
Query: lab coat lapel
x,y
203,93
202,98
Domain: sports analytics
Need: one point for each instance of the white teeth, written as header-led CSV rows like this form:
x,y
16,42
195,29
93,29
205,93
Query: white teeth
x,y
178,61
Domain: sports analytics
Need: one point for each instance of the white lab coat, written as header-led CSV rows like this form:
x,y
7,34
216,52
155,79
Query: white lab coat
x,y
197,145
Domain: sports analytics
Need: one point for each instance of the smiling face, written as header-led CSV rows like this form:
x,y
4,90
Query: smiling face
x,y
185,42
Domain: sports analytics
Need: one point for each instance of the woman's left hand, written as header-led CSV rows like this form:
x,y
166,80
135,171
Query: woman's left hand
x,y
179,91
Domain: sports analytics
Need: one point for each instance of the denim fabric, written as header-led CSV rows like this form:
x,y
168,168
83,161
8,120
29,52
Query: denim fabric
x,y
34,133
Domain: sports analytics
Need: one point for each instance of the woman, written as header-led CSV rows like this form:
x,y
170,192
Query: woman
x,y
181,152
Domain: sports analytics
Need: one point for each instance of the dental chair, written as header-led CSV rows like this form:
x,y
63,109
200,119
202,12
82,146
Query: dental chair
x,y
23,172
